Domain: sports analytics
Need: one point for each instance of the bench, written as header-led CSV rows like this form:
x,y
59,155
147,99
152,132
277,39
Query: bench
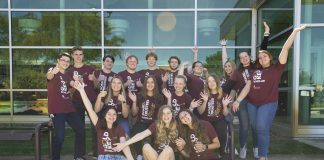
x,y
12,135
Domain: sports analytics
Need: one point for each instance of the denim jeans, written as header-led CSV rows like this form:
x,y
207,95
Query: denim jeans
x,y
244,125
74,121
261,118
125,125
111,157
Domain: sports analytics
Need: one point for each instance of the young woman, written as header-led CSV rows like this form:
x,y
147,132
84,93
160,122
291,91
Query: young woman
x,y
115,98
214,109
179,99
237,82
145,107
263,93
228,65
165,133
199,136
108,133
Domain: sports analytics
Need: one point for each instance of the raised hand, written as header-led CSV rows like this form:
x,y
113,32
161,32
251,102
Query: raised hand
x,y
300,27
195,50
204,96
102,94
166,93
266,27
132,96
121,98
78,85
223,42
226,100
195,103
128,82
165,77
139,83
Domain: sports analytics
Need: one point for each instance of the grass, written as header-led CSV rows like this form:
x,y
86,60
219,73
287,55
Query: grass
x,y
278,145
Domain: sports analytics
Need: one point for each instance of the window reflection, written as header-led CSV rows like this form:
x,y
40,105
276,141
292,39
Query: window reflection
x,y
3,3
5,105
4,32
312,11
56,28
214,26
224,4
149,28
56,4
30,103
4,68
143,4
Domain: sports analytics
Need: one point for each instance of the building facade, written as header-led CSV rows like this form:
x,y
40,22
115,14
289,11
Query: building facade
x,y
33,32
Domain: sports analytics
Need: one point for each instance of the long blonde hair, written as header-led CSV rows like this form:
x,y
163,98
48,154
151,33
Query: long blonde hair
x,y
218,86
165,134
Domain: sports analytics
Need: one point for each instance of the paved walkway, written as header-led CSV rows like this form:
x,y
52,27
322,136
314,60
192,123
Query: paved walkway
x,y
272,157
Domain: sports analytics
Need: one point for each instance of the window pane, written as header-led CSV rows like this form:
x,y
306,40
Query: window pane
x,y
278,4
223,4
234,26
149,29
30,103
278,20
143,4
3,3
30,66
4,33
56,28
5,105
56,4
4,68
312,11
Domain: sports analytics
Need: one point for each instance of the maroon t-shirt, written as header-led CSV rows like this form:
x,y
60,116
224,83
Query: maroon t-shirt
x,y
103,78
125,75
113,102
159,147
83,73
148,109
59,98
240,76
214,109
211,134
107,138
265,83
195,85
179,103
170,81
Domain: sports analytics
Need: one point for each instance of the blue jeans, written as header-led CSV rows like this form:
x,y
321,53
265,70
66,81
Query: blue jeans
x,y
245,124
74,121
261,118
125,125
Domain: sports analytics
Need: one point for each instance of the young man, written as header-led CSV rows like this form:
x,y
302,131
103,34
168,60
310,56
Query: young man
x,y
168,77
103,76
61,109
83,73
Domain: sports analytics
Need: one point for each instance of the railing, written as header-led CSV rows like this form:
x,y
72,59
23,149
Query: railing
x,y
38,129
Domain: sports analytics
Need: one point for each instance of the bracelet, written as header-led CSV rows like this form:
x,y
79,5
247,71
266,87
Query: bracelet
x,y
266,34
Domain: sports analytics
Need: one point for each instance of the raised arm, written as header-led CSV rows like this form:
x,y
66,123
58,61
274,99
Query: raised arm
x,y
224,50
195,52
283,56
92,114
265,41
51,72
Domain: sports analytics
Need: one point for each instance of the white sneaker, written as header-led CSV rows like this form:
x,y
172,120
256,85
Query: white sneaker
x,y
256,152
243,153
139,157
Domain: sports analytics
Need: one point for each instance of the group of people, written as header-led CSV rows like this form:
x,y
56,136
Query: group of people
x,y
163,114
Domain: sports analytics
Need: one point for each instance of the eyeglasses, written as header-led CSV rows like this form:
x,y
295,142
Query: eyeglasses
x,y
66,61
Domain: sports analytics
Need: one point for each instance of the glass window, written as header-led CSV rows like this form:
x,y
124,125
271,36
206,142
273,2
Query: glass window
x,y
223,4
149,28
3,3
278,4
30,103
234,26
5,69
56,28
5,104
4,32
312,11
30,66
57,4
143,4
311,77
277,20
